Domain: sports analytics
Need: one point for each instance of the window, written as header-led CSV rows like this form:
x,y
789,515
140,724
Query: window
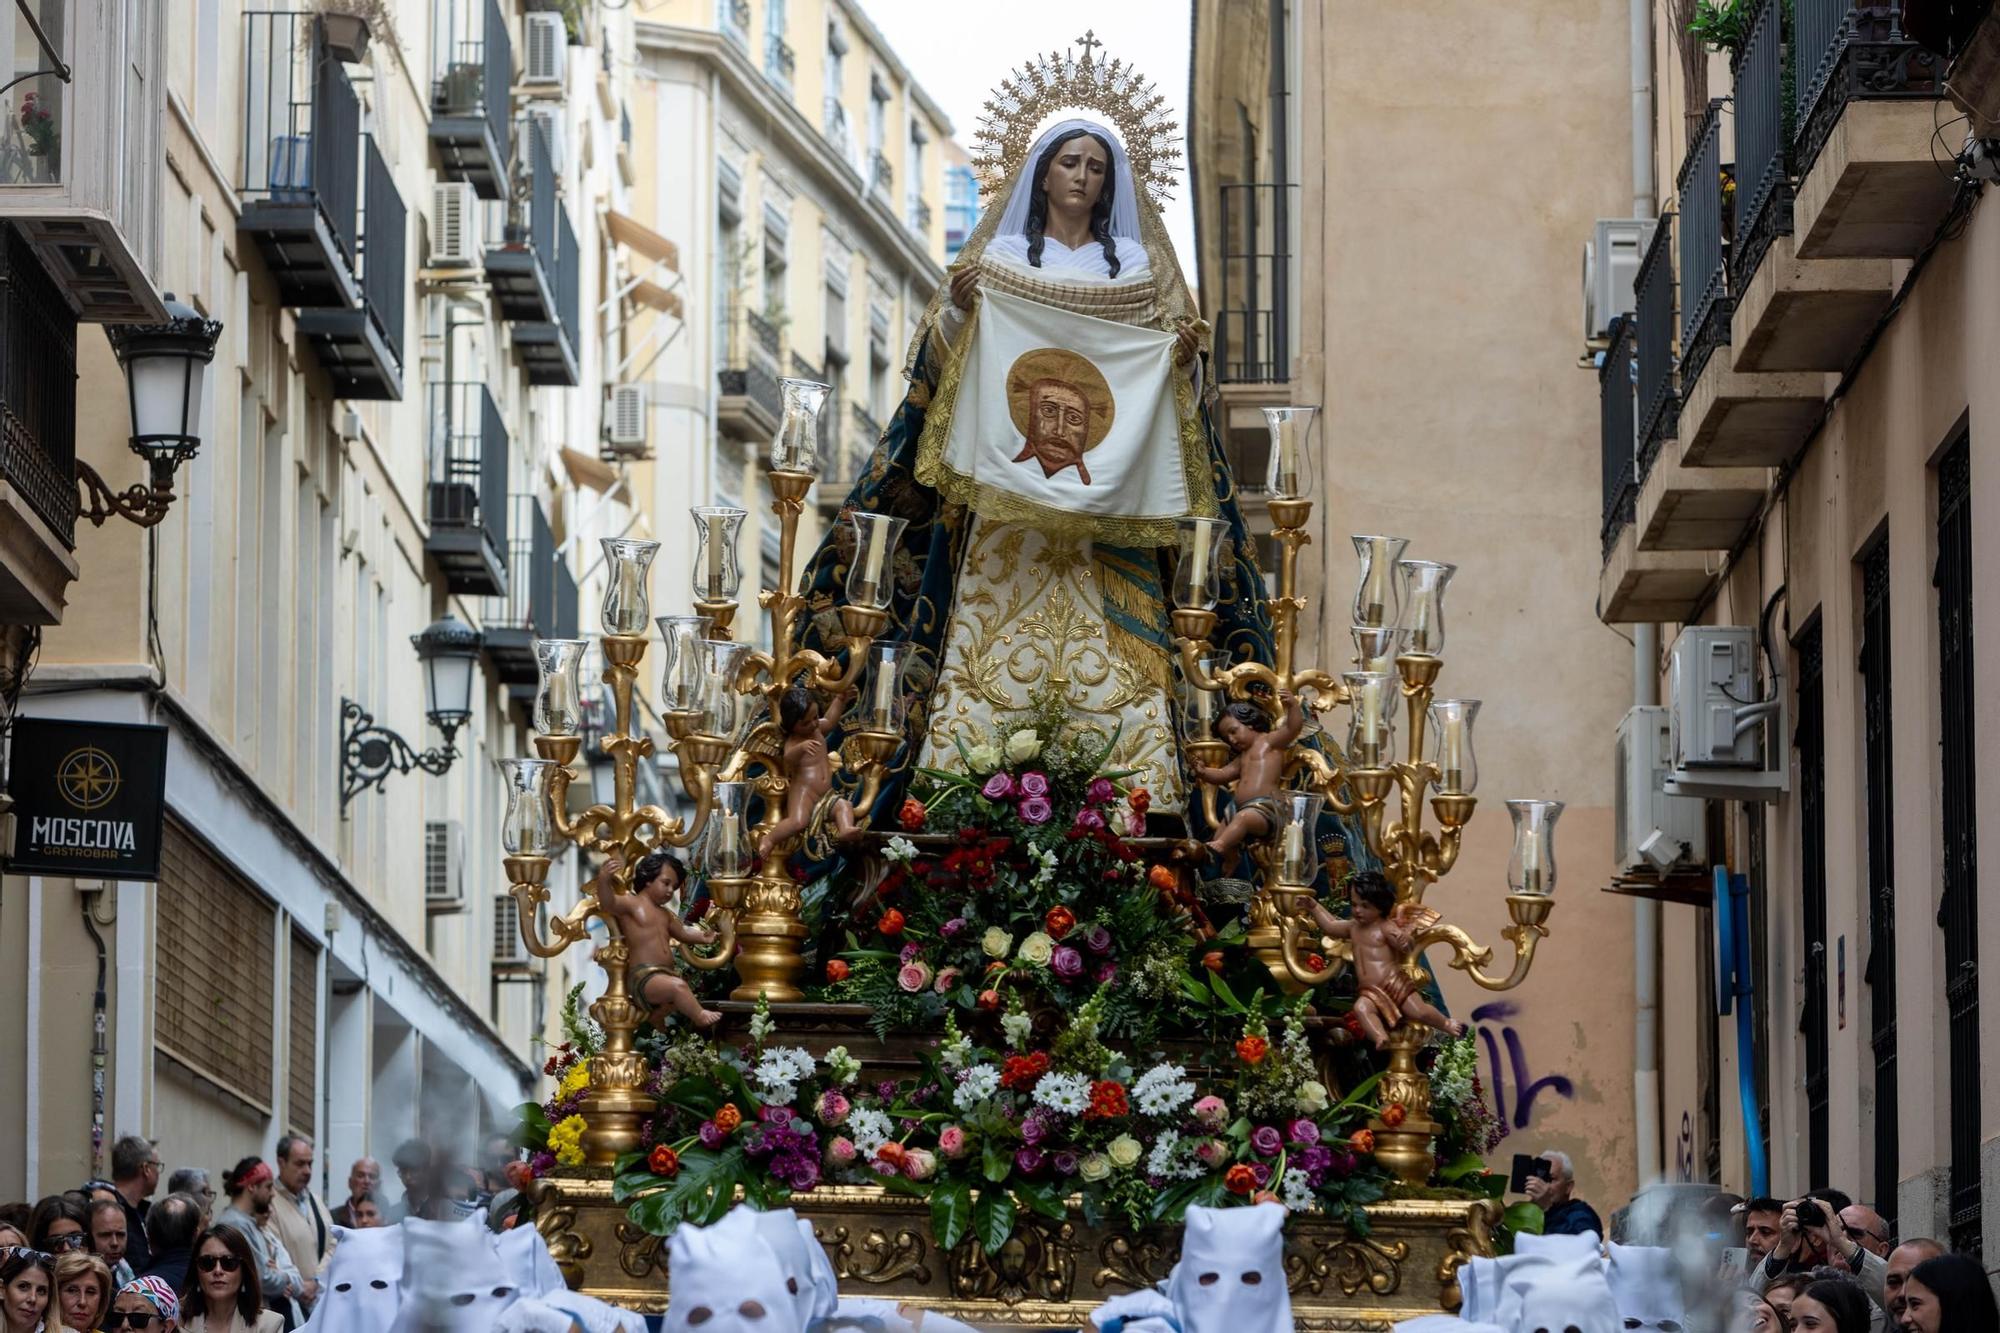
x,y
877,170
33,106
834,115
779,62
729,260
777,223
1810,740
215,976
919,212
302,1029
1958,910
1880,971
961,207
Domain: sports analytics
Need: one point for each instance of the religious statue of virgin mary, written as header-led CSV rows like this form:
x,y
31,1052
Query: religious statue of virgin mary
x,y
1054,433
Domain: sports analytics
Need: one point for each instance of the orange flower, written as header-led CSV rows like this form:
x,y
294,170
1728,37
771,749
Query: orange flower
x,y
1393,1114
1264,1196
1059,922
1212,960
727,1118
1252,1050
892,1154
836,969
664,1161
1362,1141
1140,800
989,999
1239,1179
1163,878
912,815
891,922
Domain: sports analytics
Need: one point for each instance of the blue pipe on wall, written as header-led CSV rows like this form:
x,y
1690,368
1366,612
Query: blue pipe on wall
x,y
1735,987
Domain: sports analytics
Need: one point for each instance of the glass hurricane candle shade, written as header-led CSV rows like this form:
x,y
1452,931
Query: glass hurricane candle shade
x,y
1377,593
871,574
559,686
1198,573
1451,745
717,576
725,850
680,682
1375,649
722,708
1198,707
1298,837
1423,604
628,563
1289,473
795,448
529,826
1531,870
1371,730
882,706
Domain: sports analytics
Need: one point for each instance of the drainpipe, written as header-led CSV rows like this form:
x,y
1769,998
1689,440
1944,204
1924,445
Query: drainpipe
x,y
1645,682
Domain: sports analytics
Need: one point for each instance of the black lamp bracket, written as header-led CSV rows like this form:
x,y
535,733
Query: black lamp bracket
x,y
369,754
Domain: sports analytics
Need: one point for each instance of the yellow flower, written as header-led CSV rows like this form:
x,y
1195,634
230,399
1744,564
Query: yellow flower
x,y
1124,1152
1037,949
575,1081
566,1141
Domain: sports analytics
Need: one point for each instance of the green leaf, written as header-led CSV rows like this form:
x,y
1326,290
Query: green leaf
x,y
1224,994
533,1128
1357,1221
901,1185
997,1161
993,1219
1359,1095
951,1212
1046,1197
1468,1164
1523,1217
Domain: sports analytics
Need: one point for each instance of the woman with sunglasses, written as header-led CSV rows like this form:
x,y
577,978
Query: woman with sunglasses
x,y
223,1294
144,1305
59,1224
27,1290
83,1291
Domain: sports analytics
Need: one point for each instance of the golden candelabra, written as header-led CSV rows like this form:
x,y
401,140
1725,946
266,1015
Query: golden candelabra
x,y
713,691
1399,640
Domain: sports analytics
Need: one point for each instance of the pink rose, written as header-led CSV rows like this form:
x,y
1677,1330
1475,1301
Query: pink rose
x,y
998,787
840,1151
1137,828
1211,1111
1036,810
1211,1152
1100,792
920,1164
951,1141
831,1108
1034,783
946,979
1107,972
913,977
1089,820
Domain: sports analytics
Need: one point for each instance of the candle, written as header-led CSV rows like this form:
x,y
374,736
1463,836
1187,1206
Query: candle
x,y
1371,719
1198,575
885,694
715,528
728,850
1295,847
878,552
1375,590
1288,461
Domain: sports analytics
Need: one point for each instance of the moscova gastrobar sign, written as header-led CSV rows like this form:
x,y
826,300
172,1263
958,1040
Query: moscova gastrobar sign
x,y
88,798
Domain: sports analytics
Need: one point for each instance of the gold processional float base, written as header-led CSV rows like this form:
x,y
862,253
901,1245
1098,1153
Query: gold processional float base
x,y
1049,1274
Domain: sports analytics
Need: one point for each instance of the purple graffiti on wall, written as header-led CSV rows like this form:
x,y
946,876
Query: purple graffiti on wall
x,y
1526,1087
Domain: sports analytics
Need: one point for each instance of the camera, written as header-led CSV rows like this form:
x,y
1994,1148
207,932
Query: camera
x,y
1810,1214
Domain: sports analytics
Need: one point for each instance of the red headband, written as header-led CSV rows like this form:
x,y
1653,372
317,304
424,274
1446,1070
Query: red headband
x,y
256,1175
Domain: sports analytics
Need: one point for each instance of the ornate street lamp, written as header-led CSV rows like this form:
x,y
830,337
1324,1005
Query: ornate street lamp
x,y
448,650
165,367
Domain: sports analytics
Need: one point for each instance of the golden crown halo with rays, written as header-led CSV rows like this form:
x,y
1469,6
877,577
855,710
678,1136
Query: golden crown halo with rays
x,y
1061,81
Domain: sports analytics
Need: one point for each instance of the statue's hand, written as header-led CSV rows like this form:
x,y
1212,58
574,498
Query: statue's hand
x,y
964,284
1186,343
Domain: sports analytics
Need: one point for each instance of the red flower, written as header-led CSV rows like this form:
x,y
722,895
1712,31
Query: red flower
x,y
664,1161
912,815
1107,1101
1240,1179
1024,1071
1059,922
1352,1024
1140,800
891,922
995,966
891,1156
1252,1050
1315,963
836,969
1212,960
1393,1114
1362,1141
728,1118
519,1174
1163,878
989,999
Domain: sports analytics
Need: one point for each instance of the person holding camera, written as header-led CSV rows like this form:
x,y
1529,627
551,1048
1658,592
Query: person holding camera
x,y
1551,1186
1810,1236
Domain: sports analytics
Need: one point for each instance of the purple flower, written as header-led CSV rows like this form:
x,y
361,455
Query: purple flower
x,y
542,1163
886,1090
832,1107
1065,1163
1034,783
712,1136
1267,1141
1262,1172
1101,791
1314,1161
1029,1160
1302,1132
912,952
1089,820
1036,810
800,1172
1107,972
1344,1164
1066,963
1097,939
998,787
1034,1129
953,928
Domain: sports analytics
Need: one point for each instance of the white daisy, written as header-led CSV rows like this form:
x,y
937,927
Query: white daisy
x,y
869,1128
1162,1090
980,1082
1067,1093
779,1072
1172,1159
1296,1193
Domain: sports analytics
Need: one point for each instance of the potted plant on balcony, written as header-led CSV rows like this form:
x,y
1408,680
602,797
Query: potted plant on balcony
x,y
1722,26
346,25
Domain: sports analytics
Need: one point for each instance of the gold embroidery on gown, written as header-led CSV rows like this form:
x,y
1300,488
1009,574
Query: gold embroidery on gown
x,y
1030,612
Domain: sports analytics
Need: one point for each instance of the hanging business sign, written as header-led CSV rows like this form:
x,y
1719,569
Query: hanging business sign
x,y
88,798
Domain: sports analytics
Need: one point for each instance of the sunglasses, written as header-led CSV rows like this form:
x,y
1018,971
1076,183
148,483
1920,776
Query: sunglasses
x,y
128,1319
75,1240
208,1263
26,1252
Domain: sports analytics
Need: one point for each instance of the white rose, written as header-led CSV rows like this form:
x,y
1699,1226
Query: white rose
x,y
1036,949
984,757
996,942
1023,745
1311,1097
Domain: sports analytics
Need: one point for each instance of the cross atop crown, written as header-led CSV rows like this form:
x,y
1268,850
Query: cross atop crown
x,y
1088,42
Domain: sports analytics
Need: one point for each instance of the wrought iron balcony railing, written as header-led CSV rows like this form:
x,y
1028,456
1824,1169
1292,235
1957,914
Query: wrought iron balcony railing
x,y
1653,328
471,76
882,176
300,177
1763,144
1615,438
1253,325
1850,52
468,487
1704,275
37,387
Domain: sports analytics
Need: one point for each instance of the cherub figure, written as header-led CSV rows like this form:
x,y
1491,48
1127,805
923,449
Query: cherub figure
x,y
1256,770
1382,935
808,771
647,920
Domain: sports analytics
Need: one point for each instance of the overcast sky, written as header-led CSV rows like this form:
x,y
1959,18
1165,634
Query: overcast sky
x,y
961,52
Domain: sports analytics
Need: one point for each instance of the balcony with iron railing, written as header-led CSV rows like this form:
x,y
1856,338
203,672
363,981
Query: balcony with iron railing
x,y
467,491
38,486
534,273
780,62
920,218
1652,328
749,399
300,177
733,18
1253,325
361,347
881,173
1617,451
850,451
540,601
471,80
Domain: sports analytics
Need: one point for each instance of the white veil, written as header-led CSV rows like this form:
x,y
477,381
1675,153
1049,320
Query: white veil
x,y
1124,198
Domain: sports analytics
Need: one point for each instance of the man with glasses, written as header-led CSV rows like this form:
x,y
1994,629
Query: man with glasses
x,y
135,1173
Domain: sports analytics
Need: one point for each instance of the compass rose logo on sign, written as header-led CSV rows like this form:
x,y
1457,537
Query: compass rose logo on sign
x,y
88,778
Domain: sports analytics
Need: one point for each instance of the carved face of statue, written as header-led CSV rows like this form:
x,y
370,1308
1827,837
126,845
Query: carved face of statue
x,y
1234,734
1075,176
1364,913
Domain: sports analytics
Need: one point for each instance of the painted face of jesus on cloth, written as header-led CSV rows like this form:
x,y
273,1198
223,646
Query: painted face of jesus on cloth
x,y
1062,405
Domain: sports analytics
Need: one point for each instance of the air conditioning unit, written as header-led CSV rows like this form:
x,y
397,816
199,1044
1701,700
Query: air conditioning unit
x,y
444,865
547,48
1610,271
547,117
509,950
454,224
625,419
1653,830
1726,740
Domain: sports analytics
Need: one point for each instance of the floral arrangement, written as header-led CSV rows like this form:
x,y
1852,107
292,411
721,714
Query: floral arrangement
x,y
38,126
1038,899
1470,1126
